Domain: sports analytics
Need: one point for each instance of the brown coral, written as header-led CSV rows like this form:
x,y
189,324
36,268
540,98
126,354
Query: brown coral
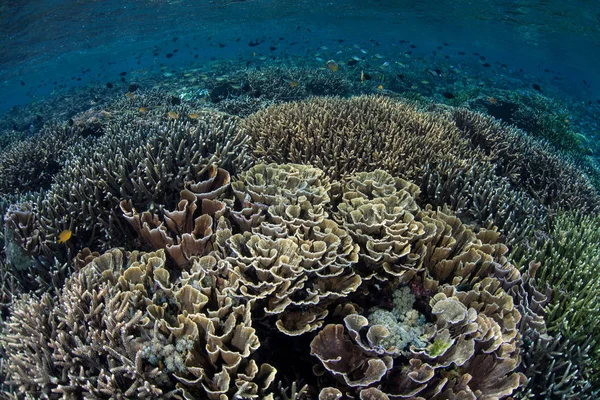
x,y
145,161
457,157
143,335
187,231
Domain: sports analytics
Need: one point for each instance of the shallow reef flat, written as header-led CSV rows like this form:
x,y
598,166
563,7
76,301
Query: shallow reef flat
x,y
298,234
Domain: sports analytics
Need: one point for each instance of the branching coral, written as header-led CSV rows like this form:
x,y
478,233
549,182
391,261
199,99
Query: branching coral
x,y
379,262
457,158
143,334
569,257
139,159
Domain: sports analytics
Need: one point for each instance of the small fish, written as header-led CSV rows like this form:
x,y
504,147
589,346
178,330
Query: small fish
x,y
492,100
130,95
143,110
193,116
425,82
537,87
385,65
448,95
236,87
319,59
352,62
293,84
172,115
378,56
363,51
332,65
355,58
362,76
64,236
380,87
324,48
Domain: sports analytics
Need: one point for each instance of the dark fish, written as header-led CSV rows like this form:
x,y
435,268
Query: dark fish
x,y
221,45
255,43
123,73
169,55
461,53
400,76
272,48
536,87
133,87
22,83
175,39
412,46
486,65
367,77
448,95
352,62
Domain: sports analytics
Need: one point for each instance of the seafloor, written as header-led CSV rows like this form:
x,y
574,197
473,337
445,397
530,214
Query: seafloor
x,y
293,229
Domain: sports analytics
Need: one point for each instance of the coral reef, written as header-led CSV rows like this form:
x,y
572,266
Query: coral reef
x,y
569,256
29,165
143,335
391,250
285,260
457,158
142,157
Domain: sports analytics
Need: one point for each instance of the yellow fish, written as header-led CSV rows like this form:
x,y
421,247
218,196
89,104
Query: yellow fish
x,y
193,116
172,115
64,236
143,110
380,87
293,84
130,95
332,65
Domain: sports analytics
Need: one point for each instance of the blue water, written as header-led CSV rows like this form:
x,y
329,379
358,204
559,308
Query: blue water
x,y
49,46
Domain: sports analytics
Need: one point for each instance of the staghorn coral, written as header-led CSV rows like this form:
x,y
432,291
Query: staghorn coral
x,y
569,257
30,164
452,161
528,163
143,158
144,335
286,264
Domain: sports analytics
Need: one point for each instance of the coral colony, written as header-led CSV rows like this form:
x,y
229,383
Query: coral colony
x,y
362,248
